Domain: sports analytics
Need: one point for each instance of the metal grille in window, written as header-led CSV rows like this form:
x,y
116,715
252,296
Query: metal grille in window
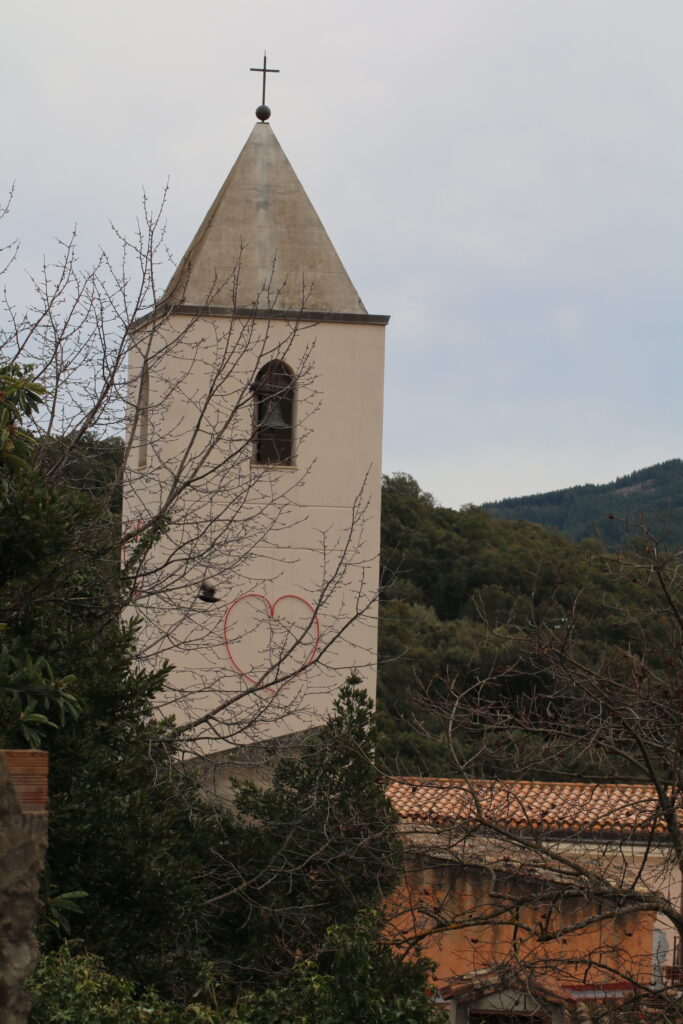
x,y
274,415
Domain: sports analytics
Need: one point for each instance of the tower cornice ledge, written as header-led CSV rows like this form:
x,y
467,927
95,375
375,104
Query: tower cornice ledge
x,y
249,313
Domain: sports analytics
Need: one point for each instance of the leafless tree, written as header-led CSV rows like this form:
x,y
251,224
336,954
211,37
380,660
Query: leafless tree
x,y
115,358
577,877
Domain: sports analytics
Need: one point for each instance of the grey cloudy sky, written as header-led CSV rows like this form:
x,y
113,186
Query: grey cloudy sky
x,y
502,176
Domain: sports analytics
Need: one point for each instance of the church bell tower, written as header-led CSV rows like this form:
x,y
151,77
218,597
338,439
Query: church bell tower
x,y
252,495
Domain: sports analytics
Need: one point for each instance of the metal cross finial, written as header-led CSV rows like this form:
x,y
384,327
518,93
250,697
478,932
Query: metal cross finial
x,y
263,112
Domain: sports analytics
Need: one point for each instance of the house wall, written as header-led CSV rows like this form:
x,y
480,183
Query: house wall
x,y
651,867
484,934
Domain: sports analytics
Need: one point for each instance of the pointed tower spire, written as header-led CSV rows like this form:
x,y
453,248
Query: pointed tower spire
x,y
260,405
262,245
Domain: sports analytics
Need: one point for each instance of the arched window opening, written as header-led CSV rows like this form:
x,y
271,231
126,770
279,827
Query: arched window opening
x,y
274,415
143,417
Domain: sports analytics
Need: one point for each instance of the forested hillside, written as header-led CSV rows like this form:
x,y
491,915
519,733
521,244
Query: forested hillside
x,y
655,493
462,585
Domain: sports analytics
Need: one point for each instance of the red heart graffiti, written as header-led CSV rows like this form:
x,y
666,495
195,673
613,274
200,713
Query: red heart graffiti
x,y
271,609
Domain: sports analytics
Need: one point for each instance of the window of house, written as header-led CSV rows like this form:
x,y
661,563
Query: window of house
x,y
274,415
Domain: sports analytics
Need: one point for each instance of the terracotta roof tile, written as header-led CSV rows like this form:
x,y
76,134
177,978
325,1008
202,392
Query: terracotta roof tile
x,y
571,808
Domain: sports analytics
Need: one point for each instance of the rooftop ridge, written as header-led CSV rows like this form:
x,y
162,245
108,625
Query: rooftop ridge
x,y
446,782
554,808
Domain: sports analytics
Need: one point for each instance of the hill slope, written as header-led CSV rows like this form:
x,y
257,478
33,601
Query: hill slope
x,y
656,493
454,582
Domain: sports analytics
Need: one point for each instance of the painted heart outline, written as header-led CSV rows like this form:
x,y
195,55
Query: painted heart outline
x,y
271,611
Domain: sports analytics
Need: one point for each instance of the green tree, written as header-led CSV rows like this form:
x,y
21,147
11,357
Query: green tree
x,y
354,977
299,878
126,827
461,578
310,852
70,987
20,396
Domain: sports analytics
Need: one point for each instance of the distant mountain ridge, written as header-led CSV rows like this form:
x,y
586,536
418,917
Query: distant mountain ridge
x,y
655,493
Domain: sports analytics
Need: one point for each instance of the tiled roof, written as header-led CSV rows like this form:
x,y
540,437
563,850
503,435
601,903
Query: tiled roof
x,y
559,808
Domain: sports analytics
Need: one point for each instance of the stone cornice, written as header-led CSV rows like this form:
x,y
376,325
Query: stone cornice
x,y
247,313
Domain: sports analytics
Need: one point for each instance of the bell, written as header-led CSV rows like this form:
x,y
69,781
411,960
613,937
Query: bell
x,y
272,419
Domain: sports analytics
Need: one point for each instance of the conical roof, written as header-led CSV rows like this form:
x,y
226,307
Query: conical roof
x,y
262,244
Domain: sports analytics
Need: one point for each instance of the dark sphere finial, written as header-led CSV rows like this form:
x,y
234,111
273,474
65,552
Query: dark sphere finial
x,y
263,112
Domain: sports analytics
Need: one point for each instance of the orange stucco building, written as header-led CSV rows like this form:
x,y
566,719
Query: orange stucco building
x,y
555,884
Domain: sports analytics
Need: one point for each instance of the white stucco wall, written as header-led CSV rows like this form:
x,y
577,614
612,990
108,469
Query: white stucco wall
x,y
310,530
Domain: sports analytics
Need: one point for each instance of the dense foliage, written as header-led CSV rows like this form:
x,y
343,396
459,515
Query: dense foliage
x,y
297,877
355,977
172,895
125,828
310,852
461,586
71,986
655,493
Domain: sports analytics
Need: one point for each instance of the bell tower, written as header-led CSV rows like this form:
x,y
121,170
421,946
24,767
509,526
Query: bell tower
x,y
252,495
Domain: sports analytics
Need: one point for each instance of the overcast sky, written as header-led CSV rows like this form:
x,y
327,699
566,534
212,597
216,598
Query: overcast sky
x,y
503,177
